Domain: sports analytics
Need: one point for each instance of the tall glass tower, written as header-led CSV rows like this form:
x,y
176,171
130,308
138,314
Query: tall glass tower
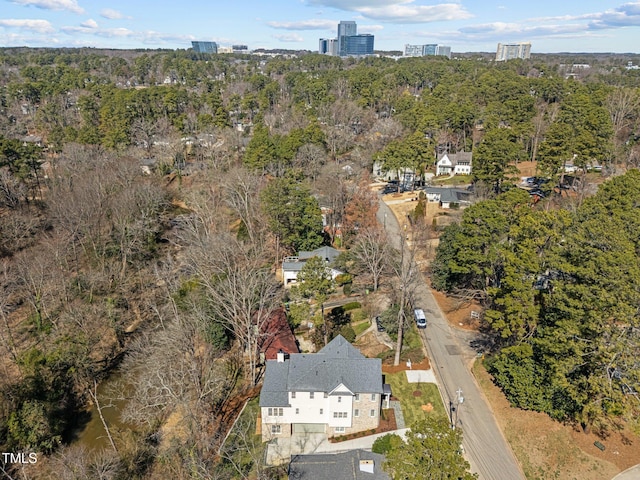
x,y
346,28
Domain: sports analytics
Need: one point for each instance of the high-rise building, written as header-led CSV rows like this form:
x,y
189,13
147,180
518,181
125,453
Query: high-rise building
x,y
205,47
509,51
429,49
358,44
328,46
346,28
348,42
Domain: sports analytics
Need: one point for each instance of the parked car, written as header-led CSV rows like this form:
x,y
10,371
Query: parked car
x,y
379,325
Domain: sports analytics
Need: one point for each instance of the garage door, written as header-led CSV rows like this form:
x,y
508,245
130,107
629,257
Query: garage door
x,y
308,428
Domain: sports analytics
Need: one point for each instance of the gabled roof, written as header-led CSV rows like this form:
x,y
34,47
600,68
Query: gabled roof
x,y
277,335
456,158
448,195
326,253
337,466
337,363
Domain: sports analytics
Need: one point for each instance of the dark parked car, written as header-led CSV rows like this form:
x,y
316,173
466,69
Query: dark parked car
x,y
379,325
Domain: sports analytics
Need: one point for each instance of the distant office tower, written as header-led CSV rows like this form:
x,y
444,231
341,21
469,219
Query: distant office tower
x,y
509,51
328,46
429,49
205,47
348,42
358,44
345,29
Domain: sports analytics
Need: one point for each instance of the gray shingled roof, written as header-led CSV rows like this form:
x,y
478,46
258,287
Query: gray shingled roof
x,y
326,253
337,363
292,266
448,195
336,466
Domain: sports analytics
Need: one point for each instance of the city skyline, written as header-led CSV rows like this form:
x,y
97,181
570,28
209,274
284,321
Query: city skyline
x,y
467,26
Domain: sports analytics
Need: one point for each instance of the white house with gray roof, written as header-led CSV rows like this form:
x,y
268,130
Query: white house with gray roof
x,y
291,266
454,164
448,197
337,391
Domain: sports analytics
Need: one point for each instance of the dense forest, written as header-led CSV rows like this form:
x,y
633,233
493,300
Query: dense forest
x,y
147,197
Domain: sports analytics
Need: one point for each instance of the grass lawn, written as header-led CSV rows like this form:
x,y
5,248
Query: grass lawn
x,y
412,405
360,327
457,180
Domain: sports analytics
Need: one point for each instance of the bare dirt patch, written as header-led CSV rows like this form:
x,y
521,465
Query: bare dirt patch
x,y
459,311
423,365
369,345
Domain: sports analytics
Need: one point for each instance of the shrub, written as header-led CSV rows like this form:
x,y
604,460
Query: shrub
x,y
351,306
348,333
386,443
344,278
346,289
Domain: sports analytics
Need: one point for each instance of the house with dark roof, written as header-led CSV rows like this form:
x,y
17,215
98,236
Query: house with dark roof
x,y
448,197
291,266
353,465
454,163
336,391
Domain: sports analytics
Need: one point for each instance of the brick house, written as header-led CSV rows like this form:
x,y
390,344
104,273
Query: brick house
x,y
337,391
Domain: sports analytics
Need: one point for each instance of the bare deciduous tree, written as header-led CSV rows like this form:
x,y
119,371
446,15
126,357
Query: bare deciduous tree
x,y
372,253
241,289
242,190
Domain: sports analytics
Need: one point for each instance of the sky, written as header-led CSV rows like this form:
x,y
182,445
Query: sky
x,y
466,26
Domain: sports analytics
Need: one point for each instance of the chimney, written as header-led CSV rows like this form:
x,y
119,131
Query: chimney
x,y
366,466
281,356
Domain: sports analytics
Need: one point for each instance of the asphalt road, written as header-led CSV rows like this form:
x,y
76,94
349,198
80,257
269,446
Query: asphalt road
x,y
485,447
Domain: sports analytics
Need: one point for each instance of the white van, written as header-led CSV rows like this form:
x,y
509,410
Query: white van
x,y
421,320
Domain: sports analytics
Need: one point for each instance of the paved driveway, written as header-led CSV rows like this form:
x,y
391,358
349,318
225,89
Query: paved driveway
x,y
281,450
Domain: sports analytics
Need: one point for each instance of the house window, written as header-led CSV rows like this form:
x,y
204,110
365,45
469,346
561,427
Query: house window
x,y
357,397
322,411
372,413
340,415
326,395
293,394
311,395
339,429
356,413
276,429
335,414
275,412
297,411
339,399
373,397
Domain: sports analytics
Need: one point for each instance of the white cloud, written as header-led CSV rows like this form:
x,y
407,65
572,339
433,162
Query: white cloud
x,y
416,13
314,24
70,5
34,25
91,23
351,5
112,14
369,28
289,38
399,11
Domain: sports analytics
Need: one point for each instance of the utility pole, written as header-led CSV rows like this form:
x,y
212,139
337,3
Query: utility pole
x,y
460,400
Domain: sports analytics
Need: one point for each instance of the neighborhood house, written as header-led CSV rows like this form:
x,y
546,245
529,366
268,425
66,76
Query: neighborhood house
x,y
454,164
291,266
448,197
337,391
